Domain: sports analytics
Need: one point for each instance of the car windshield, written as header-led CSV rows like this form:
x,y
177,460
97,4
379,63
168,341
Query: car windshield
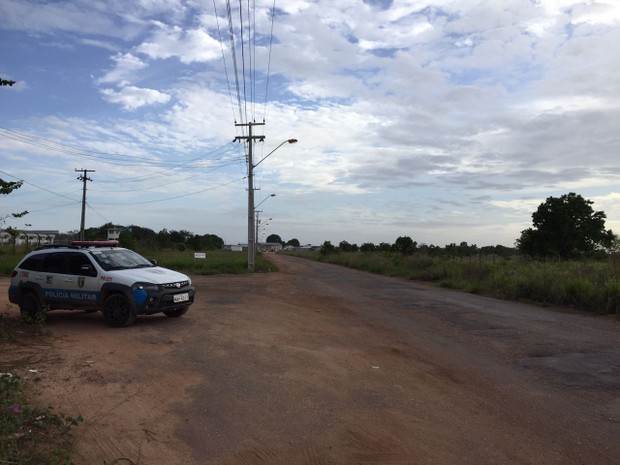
x,y
120,259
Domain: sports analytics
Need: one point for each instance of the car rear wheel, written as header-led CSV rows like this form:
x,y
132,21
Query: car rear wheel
x,y
117,311
30,307
176,312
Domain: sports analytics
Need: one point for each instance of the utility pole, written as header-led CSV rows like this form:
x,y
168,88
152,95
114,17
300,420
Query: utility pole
x,y
256,229
251,238
83,177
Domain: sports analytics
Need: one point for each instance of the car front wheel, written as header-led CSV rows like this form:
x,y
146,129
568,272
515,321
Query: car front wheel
x,y
117,311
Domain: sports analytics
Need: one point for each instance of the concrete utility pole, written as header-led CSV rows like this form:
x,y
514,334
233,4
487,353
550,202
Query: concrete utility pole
x,y
251,238
83,177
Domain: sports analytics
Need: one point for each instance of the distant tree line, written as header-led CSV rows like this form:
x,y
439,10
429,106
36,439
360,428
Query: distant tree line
x,y
139,237
404,245
564,227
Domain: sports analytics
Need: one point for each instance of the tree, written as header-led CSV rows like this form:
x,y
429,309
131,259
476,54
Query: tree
x,y
274,238
368,247
127,239
327,248
293,243
6,187
404,245
344,246
565,227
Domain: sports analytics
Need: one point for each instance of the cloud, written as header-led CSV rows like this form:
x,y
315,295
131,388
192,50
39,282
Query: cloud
x,y
126,68
189,46
132,98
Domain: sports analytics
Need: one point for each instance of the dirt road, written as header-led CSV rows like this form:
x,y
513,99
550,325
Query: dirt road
x,y
321,365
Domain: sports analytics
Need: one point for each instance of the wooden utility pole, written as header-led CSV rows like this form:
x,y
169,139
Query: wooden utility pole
x,y
83,177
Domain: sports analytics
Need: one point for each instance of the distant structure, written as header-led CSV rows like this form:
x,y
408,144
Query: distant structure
x,y
114,233
30,237
261,247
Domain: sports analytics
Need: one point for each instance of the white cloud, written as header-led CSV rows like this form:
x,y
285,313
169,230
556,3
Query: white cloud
x,y
189,46
126,68
132,98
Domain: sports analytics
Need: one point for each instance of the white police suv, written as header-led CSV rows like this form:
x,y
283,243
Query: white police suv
x,y
98,275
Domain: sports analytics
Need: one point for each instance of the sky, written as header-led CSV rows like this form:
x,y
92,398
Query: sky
x,y
442,120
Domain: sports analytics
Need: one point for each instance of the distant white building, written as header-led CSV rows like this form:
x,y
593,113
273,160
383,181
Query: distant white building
x,y
260,247
30,237
114,233
269,247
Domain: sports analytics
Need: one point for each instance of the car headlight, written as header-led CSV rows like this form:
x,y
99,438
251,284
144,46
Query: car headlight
x,y
145,287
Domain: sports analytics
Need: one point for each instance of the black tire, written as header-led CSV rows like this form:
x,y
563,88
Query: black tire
x,y
30,307
176,312
118,312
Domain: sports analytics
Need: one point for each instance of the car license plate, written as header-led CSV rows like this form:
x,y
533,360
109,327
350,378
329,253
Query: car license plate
x,y
180,298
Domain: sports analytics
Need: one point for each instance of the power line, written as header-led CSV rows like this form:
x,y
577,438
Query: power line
x,y
273,15
38,187
219,31
231,34
102,157
173,198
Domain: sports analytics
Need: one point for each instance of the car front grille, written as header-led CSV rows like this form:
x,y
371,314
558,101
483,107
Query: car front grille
x,y
177,285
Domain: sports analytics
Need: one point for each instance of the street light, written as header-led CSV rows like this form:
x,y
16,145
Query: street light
x,y
251,207
257,221
287,141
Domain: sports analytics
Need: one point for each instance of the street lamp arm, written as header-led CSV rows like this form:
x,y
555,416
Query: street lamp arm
x,y
289,141
263,201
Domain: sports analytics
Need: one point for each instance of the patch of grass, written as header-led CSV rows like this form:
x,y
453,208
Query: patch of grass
x,y
216,262
29,434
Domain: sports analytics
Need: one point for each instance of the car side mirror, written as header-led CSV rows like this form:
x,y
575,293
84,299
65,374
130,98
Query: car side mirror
x,y
88,270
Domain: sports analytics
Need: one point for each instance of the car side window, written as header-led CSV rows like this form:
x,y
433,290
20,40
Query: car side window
x,y
80,265
34,263
56,263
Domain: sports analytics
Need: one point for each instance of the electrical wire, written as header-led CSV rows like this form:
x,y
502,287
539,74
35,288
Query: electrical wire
x,y
172,198
38,187
273,15
219,32
231,34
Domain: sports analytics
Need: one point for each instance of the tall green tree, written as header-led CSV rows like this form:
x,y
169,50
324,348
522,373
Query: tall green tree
x,y
404,245
565,227
274,239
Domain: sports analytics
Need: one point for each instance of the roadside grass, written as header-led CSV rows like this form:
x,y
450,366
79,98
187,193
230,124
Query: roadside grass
x,y
29,435
216,262
591,285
